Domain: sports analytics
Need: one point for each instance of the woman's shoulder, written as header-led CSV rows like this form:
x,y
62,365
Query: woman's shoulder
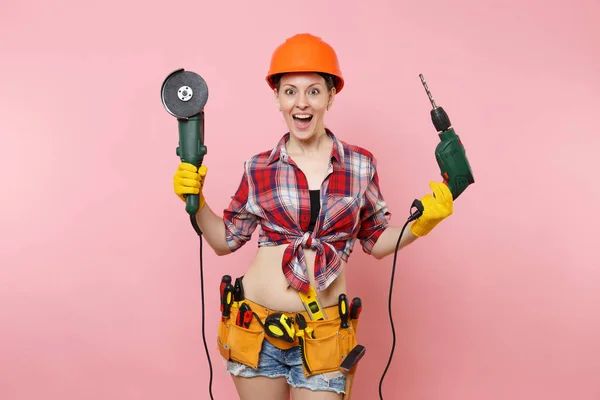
x,y
260,160
266,158
351,150
354,151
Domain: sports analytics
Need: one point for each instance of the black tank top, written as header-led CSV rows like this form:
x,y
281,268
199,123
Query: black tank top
x,y
315,206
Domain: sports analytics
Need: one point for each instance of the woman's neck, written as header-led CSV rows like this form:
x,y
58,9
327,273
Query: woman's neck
x,y
314,145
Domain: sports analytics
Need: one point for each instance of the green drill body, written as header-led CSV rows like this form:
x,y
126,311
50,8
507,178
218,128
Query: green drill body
x,y
452,159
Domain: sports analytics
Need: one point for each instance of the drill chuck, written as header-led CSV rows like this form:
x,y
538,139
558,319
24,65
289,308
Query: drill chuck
x,y
440,119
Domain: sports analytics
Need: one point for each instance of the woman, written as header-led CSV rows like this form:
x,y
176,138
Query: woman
x,y
313,196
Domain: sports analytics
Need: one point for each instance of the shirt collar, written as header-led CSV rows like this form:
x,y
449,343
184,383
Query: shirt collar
x,y
280,152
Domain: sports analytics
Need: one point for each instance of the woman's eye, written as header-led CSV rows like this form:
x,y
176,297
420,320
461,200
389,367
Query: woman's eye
x,y
314,91
289,91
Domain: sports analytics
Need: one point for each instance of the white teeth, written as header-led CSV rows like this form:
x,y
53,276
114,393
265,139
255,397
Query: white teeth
x,y
302,116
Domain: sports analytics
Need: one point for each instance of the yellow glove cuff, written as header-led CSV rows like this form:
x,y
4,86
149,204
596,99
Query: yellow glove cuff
x,y
421,227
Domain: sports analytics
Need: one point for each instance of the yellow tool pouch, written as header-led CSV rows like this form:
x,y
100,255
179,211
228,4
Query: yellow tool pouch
x,y
238,343
330,345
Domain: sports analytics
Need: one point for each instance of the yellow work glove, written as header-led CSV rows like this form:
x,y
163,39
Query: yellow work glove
x,y
435,209
190,180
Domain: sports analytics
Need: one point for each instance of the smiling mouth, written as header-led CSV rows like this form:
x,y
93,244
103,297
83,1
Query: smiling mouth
x,y
302,118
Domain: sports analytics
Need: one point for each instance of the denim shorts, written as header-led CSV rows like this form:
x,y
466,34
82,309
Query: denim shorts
x,y
275,362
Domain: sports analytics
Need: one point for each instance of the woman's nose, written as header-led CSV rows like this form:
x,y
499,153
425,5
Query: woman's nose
x,y
302,101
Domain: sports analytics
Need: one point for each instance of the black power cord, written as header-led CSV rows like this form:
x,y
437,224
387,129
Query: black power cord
x,y
199,232
414,215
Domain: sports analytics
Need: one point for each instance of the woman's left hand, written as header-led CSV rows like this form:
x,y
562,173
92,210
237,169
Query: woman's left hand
x,y
436,208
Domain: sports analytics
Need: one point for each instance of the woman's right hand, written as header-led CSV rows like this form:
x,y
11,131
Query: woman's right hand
x,y
189,180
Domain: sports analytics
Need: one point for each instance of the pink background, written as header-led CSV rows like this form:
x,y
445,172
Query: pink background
x,y
99,283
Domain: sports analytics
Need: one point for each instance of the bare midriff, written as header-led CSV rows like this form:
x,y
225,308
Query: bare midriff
x,y
265,284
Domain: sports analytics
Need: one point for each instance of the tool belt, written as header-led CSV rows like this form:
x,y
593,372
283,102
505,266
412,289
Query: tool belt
x,y
324,344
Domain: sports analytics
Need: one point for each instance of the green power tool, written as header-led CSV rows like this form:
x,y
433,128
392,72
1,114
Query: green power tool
x,y
450,153
184,95
456,172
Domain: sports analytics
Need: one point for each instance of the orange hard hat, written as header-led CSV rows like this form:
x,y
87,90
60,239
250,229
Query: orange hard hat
x,y
305,53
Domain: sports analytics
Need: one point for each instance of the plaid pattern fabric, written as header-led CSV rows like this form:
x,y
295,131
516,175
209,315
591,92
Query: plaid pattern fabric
x,y
273,194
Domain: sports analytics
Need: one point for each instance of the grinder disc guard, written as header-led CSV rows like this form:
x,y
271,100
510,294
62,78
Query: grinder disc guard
x,y
184,93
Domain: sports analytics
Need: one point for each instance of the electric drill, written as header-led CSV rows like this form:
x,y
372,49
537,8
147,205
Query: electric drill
x,y
449,153
456,172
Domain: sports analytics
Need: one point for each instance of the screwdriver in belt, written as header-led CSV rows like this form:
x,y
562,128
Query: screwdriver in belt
x,y
343,309
238,290
227,300
225,280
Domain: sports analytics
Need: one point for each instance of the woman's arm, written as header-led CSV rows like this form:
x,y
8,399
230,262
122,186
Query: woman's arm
x,y
386,244
226,233
213,230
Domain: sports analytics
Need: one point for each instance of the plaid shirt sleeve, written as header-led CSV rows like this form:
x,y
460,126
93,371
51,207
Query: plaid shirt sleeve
x,y
374,215
239,222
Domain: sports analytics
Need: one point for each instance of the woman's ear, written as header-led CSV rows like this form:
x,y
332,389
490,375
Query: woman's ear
x,y
331,98
276,94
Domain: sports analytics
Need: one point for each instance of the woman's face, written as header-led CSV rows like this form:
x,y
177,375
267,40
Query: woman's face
x,y
303,99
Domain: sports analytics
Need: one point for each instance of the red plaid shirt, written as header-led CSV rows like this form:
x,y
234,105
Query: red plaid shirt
x,y
274,192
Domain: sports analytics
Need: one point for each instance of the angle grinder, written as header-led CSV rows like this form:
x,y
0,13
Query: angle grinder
x,y
184,95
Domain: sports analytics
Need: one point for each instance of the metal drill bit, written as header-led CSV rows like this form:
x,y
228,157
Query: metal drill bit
x,y
427,90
